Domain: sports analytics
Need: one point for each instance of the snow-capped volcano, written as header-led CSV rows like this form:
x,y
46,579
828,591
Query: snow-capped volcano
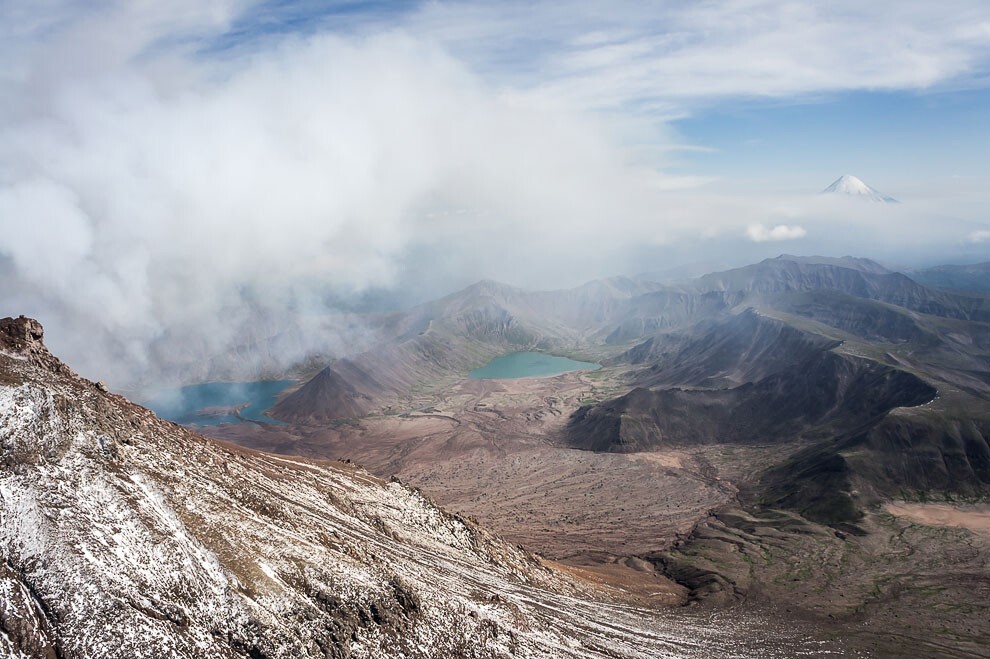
x,y
850,185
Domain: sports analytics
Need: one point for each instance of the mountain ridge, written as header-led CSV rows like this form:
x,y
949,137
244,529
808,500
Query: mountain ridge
x,y
439,341
125,535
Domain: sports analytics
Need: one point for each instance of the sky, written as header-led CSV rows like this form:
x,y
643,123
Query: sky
x,y
178,168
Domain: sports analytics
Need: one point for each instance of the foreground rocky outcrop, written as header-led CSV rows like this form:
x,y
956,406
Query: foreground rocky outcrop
x,y
122,535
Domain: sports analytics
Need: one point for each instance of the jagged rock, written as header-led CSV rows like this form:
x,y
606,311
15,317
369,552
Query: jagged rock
x,y
21,332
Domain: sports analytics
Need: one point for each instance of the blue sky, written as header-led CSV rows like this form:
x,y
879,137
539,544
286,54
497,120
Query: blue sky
x,y
890,138
893,92
158,160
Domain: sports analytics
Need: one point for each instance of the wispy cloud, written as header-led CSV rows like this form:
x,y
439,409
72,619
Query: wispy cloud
x,y
671,55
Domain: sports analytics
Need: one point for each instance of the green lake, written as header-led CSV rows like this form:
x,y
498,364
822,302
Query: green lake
x,y
214,403
529,365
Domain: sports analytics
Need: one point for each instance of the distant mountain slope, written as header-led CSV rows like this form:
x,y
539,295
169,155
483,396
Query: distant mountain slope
x,y
867,319
818,393
126,536
664,310
782,275
446,338
722,352
850,262
847,364
974,277
442,340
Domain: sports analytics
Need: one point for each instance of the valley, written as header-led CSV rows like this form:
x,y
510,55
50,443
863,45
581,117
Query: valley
x,y
125,535
738,449
799,443
667,527
486,449
453,329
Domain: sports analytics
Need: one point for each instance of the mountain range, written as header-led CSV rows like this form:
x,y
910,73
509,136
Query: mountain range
x,y
849,385
125,535
781,439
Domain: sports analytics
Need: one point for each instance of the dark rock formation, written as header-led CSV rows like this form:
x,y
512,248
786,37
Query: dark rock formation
x,y
21,332
752,380
329,396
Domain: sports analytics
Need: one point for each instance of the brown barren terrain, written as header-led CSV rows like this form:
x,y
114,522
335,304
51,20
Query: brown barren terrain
x,y
974,517
489,450
486,449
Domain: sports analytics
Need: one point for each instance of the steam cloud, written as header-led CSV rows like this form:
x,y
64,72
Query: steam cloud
x,y
311,172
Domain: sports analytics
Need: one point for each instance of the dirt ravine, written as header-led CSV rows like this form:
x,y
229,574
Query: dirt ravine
x,y
974,517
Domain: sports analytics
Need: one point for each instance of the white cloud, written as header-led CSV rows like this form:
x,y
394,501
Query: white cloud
x,y
759,233
977,237
668,55
150,193
141,199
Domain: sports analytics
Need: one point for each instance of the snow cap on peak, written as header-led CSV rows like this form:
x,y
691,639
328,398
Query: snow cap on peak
x,y
848,184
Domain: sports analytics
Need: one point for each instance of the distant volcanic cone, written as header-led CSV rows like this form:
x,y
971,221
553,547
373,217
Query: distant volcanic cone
x,y
852,186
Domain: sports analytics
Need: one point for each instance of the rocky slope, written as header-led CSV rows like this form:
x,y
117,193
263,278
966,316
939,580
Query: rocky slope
x,y
787,275
124,535
825,395
975,277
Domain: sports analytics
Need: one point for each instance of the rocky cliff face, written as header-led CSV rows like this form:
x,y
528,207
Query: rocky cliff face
x,y
122,535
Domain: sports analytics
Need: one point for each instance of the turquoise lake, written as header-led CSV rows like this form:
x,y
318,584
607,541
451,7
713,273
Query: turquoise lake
x,y
529,365
212,403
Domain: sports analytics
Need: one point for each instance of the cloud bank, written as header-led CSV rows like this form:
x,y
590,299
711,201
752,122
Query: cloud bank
x,y
314,170
164,200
